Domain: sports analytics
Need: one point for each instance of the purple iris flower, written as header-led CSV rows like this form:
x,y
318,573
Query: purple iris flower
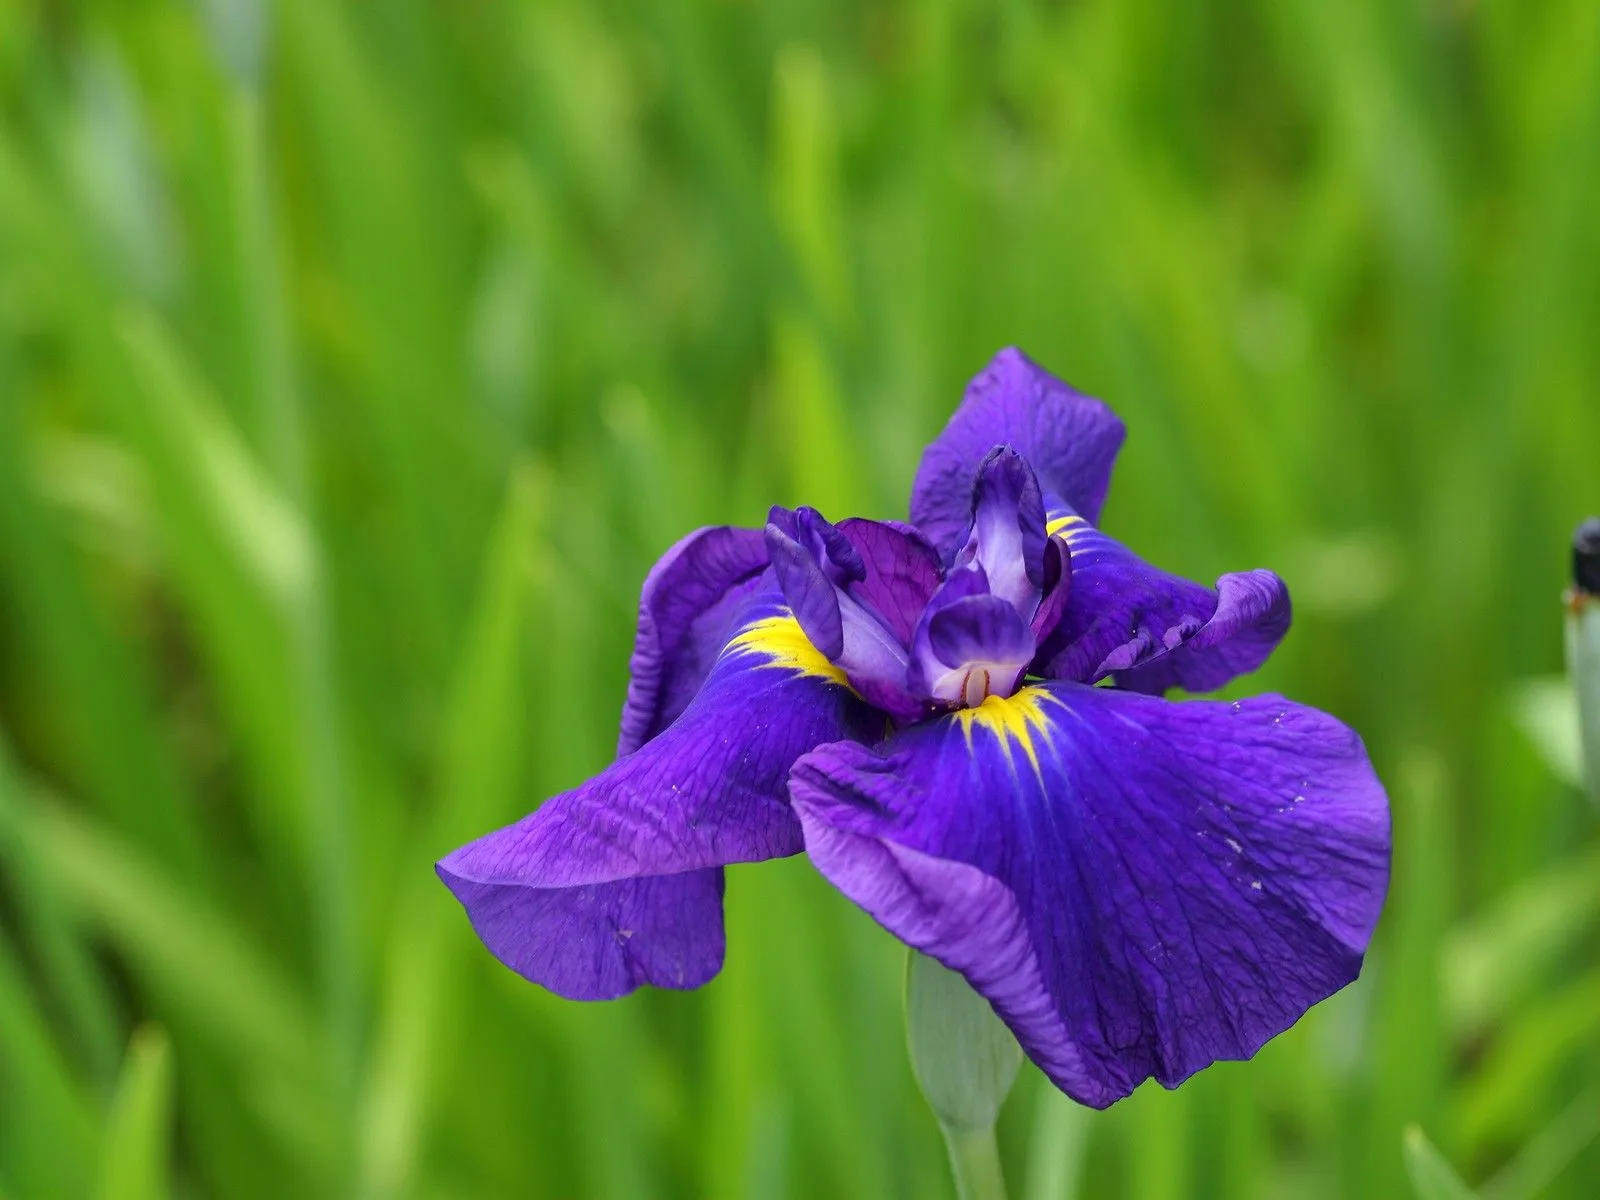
x,y
1138,886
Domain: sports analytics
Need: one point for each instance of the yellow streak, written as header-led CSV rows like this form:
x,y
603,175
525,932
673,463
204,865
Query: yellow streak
x,y
784,644
1060,523
1013,720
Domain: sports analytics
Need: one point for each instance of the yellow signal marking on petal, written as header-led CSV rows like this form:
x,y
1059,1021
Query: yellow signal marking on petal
x,y
1061,523
1013,720
784,644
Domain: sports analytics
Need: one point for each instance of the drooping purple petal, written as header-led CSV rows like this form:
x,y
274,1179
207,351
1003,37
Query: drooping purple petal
x,y
1252,616
619,882
1007,534
1152,630
1139,887
686,606
832,550
1069,439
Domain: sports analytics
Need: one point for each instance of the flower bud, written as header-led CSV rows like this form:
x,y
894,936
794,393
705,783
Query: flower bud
x,y
1583,645
963,1056
1586,557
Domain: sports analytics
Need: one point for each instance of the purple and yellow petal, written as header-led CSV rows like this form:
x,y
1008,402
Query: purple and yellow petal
x,y
618,883
1139,887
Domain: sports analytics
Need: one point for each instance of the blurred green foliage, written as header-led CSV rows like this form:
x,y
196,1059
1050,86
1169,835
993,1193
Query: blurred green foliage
x,y
356,360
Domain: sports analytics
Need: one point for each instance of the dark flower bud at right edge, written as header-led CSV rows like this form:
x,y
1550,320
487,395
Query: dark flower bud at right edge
x,y
1586,557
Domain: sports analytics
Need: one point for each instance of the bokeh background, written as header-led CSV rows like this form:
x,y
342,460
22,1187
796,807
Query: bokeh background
x,y
357,360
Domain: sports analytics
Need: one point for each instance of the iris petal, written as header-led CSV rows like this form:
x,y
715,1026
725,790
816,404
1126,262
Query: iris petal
x,y
1251,618
688,601
1007,536
618,883
1057,589
900,571
983,646
1070,440
926,668
979,629
1139,887
1152,630
810,593
837,595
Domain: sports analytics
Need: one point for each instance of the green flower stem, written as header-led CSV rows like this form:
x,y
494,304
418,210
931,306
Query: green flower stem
x,y
1583,657
1583,645
975,1163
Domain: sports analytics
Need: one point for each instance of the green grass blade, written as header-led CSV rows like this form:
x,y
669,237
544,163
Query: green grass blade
x,y
205,965
1432,1178
481,756
65,962
135,1161
48,1138
1057,1142
1552,1151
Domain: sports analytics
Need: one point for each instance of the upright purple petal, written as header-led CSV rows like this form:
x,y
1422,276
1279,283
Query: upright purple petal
x,y
1057,589
900,571
826,584
1139,887
688,601
619,882
810,594
1007,533
1069,439
1151,630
